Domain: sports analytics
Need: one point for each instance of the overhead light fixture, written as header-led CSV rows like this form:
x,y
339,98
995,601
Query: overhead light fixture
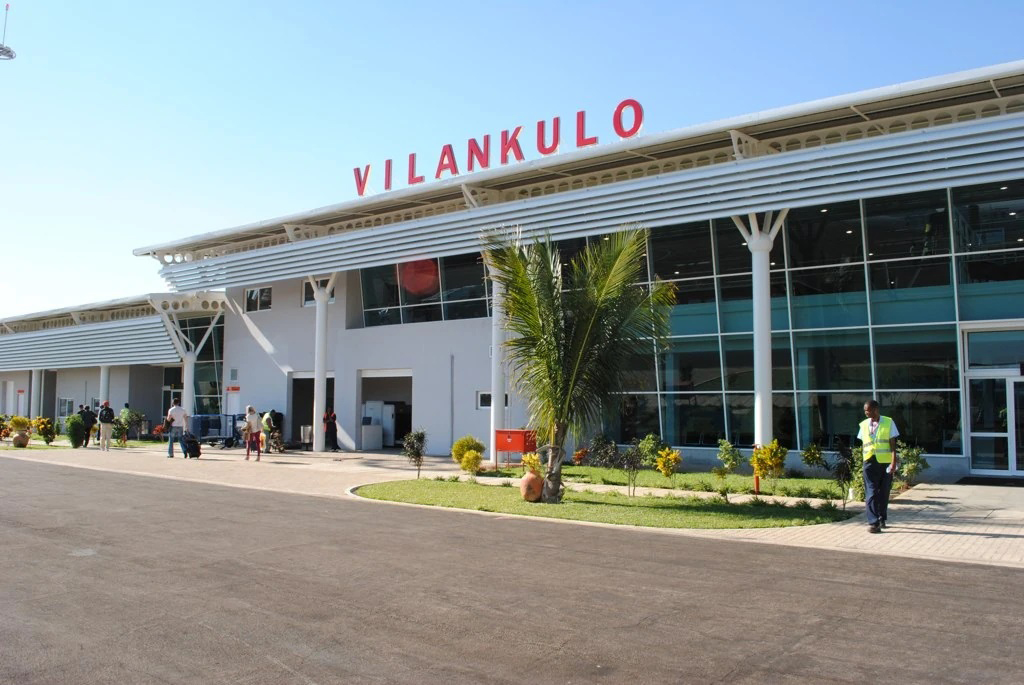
x,y
1020,240
871,254
1013,213
849,232
824,211
676,273
1003,188
773,263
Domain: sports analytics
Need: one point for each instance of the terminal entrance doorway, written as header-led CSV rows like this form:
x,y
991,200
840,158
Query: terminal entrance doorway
x,y
386,411
302,408
996,424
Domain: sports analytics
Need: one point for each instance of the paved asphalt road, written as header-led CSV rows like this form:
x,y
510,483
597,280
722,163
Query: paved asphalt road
x,y
113,578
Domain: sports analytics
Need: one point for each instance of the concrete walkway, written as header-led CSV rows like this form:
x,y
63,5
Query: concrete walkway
x,y
964,523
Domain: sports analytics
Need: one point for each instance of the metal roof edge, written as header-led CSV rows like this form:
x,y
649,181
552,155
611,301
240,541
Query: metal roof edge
x,y
904,89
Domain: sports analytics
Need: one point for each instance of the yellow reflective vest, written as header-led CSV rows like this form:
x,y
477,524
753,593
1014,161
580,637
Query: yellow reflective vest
x,y
879,446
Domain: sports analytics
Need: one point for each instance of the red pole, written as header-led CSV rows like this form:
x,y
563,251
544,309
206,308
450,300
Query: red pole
x,y
757,485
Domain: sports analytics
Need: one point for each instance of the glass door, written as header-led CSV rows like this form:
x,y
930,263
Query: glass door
x,y
996,425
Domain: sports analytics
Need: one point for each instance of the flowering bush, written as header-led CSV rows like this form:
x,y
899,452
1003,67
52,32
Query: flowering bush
x,y
768,460
470,461
531,462
158,430
579,457
44,428
667,461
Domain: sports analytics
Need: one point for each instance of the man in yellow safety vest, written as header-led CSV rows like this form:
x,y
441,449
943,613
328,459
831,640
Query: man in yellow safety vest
x,y
878,435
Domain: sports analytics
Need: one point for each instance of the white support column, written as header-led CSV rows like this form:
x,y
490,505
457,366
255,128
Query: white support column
x,y
759,242
36,396
188,382
104,384
497,366
321,295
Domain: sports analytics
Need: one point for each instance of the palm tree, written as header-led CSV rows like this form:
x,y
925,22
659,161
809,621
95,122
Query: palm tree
x,y
573,333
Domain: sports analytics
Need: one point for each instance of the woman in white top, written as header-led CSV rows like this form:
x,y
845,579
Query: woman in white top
x,y
252,427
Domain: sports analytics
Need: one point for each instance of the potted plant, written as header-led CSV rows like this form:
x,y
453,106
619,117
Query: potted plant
x,y
531,486
20,427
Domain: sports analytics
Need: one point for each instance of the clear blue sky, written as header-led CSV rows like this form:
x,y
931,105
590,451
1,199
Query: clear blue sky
x,y
128,123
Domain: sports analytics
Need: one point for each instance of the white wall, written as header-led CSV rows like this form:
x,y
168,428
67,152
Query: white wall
x,y
429,350
268,346
16,380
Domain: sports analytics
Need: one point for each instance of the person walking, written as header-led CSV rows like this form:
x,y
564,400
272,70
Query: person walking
x,y
268,427
878,435
330,430
176,417
252,432
89,419
106,419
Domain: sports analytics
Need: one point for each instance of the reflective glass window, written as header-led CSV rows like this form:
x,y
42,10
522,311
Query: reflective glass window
x,y
832,360
382,317
737,307
695,308
740,410
829,297
420,282
928,418
637,416
380,287
915,225
912,291
991,285
692,419
691,364
989,217
466,309
462,277
682,251
825,234
731,250
995,349
639,372
829,418
739,362
429,312
918,357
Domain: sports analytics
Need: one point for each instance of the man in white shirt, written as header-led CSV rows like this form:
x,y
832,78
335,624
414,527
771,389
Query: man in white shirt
x,y
177,417
878,435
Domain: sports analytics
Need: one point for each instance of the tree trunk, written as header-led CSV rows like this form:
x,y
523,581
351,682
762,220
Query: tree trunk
x,y
553,478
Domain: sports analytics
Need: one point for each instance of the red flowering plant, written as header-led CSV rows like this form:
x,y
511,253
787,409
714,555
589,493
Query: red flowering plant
x,y
579,457
158,429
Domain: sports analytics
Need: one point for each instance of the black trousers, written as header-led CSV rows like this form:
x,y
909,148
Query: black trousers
x,y
877,485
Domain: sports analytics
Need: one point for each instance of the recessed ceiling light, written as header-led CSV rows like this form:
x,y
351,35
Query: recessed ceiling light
x,y
1020,240
1013,213
849,232
606,238
744,243
773,263
824,211
1003,188
676,273
871,254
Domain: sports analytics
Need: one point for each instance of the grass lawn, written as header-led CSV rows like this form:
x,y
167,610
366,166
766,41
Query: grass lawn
x,y
822,488
657,512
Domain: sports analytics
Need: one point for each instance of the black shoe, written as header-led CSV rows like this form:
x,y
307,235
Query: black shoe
x,y
883,524
874,528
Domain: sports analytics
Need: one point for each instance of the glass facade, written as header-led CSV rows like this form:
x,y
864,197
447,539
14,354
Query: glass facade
x,y
867,297
209,362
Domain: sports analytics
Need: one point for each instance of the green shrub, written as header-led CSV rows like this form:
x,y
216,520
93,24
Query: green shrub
x,y
413,445
74,428
470,461
650,447
757,501
132,420
813,457
769,460
119,432
44,429
802,504
828,505
603,452
911,462
465,444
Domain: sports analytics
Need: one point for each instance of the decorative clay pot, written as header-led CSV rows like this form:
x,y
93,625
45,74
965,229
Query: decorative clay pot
x,y
20,439
531,486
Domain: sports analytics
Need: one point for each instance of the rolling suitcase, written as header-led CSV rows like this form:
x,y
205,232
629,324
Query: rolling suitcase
x,y
192,449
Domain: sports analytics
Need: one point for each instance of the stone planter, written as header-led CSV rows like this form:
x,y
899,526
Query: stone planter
x,y
20,439
531,487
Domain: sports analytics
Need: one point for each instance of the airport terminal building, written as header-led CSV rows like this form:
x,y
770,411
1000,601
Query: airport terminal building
x,y
867,245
